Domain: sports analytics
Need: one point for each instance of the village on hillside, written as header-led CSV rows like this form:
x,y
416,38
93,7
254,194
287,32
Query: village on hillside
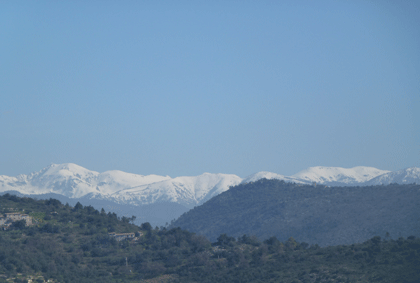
x,y
8,219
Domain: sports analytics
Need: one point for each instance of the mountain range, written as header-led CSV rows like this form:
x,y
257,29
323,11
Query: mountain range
x,y
127,191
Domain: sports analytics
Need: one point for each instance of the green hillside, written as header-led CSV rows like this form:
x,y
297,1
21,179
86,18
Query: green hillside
x,y
73,244
313,214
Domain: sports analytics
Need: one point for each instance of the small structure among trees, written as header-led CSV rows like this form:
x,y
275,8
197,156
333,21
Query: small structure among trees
x,y
9,218
123,236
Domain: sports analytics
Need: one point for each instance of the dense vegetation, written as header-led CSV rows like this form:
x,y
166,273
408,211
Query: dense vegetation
x,y
156,213
313,214
71,244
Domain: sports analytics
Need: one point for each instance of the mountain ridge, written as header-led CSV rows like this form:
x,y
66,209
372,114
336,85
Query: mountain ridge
x,y
133,190
325,215
348,176
74,181
406,176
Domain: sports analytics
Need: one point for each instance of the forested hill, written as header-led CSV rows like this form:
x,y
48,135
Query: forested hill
x,y
313,214
73,244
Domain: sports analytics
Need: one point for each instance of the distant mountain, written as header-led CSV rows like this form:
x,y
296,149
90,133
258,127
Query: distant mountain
x,y
187,191
181,193
312,214
405,176
337,176
74,181
127,191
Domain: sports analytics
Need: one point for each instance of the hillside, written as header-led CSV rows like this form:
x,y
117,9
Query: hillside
x,y
313,214
160,199
80,244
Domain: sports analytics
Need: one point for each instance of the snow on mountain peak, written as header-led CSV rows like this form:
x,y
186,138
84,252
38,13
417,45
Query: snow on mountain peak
x,y
186,190
74,181
336,176
110,182
66,170
328,175
405,176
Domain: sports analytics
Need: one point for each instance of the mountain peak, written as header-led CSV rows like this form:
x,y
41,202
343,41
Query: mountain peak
x,y
405,176
331,175
74,181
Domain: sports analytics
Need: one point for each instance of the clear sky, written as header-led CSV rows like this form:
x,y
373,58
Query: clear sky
x,y
180,88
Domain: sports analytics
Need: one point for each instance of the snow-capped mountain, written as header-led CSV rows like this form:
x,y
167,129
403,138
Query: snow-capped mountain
x,y
337,176
405,176
188,191
74,181
160,199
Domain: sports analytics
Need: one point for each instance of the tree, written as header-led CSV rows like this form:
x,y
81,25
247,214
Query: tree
x,y
291,243
376,240
225,240
272,241
21,224
78,206
53,202
146,226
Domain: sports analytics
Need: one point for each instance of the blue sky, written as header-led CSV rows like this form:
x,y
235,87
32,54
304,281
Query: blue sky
x,y
187,87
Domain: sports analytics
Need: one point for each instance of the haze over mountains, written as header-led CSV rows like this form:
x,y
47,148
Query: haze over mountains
x,y
180,194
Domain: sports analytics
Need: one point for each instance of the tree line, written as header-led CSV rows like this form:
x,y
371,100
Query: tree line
x,y
72,244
